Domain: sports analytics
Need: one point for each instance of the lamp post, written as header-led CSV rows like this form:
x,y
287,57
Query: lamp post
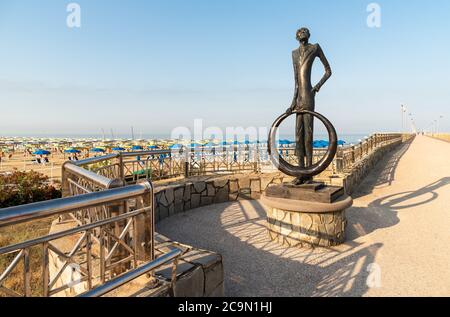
x,y
402,110
438,123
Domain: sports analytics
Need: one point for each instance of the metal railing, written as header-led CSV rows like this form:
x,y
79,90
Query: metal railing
x,y
347,157
131,167
109,286
102,247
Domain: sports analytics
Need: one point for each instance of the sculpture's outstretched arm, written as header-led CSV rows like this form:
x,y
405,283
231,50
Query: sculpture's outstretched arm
x,y
327,67
294,101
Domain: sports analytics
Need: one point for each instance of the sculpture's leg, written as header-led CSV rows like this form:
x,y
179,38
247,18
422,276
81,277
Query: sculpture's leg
x,y
300,146
300,141
308,123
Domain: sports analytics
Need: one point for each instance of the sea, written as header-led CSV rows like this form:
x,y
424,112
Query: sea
x,y
348,138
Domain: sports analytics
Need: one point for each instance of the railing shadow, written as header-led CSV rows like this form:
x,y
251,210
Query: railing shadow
x,y
406,200
256,266
383,173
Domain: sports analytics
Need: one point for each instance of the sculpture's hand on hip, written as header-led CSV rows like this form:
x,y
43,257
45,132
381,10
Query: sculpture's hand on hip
x,y
315,90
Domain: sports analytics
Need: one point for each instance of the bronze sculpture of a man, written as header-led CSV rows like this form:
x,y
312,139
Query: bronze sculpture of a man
x,y
304,96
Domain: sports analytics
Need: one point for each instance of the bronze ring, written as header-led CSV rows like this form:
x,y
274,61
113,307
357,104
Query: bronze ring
x,y
297,171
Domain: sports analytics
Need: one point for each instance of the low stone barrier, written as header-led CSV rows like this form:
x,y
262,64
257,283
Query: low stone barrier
x,y
180,197
306,224
361,169
200,273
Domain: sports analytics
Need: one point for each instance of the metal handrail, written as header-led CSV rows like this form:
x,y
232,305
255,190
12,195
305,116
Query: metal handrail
x,y
93,177
25,213
69,232
143,153
94,160
111,285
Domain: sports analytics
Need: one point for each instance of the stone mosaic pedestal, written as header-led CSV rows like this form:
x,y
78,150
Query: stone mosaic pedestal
x,y
297,223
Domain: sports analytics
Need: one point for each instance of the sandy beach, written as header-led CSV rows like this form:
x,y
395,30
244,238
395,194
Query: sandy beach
x,y
25,162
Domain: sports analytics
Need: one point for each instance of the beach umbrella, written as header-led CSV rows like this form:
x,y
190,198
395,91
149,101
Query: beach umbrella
x,y
137,148
72,150
284,142
225,143
118,149
323,143
211,144
341,142
320,144
152,147
42,152
97,150
176,146
193,145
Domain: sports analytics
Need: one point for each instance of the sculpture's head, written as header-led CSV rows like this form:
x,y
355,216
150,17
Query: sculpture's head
x,y
303,35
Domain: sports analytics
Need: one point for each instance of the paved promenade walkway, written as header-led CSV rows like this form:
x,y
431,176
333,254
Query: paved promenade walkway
x,y
398,236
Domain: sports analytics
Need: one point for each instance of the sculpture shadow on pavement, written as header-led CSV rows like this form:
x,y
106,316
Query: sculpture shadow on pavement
x,y
257,266
383,174
383,212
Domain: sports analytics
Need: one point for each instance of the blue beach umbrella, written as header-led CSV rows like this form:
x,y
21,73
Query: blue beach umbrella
x,y
284,142
341,142
224,143
320,144
42,152
72,151
176,146
97,150
152,147
193,145
211,144
137,148
324,143
118,149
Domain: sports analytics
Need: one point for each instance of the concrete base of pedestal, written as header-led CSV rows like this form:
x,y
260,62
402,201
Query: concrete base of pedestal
x,y
297,223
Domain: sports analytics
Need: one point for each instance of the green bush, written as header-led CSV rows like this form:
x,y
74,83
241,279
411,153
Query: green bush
x,y
19,188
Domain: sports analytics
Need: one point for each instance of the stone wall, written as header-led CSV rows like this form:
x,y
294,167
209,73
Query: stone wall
x,y
179,197
199,272
350,181
295,229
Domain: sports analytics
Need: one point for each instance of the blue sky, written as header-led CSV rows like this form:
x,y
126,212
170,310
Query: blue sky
x,y
156,65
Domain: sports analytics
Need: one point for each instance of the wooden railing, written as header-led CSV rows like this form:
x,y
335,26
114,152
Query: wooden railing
x,y
165,164
347,157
